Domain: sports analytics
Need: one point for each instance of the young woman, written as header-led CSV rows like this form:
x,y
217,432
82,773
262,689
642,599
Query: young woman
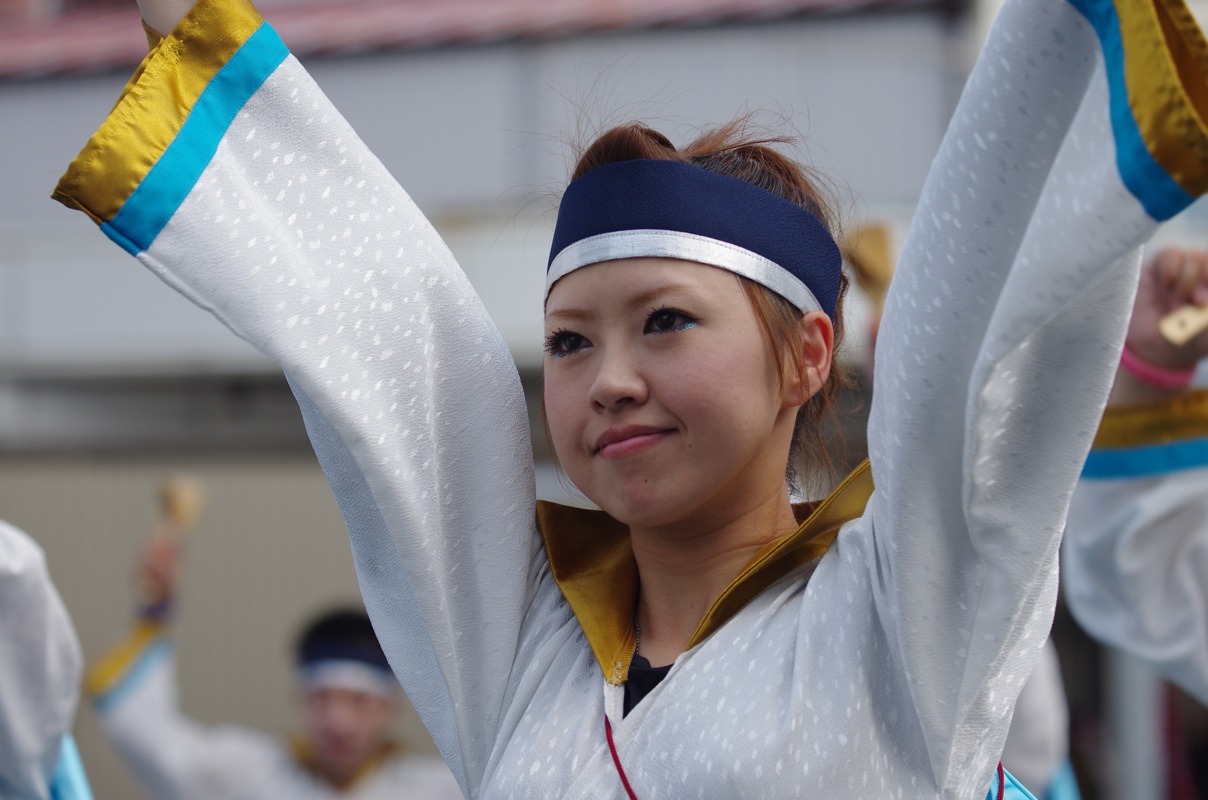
x,y
869,646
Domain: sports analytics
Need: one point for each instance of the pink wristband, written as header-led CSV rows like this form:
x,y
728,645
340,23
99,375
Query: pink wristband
x,y
1154,375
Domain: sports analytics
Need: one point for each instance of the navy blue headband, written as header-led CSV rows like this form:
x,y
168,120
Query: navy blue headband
x,y
655,208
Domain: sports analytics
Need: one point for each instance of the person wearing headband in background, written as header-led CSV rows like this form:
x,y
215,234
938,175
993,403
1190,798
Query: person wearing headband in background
x,y
1135,557
348,702
699,636
40,666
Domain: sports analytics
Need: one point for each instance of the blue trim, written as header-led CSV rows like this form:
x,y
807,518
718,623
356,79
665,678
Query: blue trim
x,y
1148,461
69,781
1149,182
1064,785
1013,789
170,180
117,237
143,666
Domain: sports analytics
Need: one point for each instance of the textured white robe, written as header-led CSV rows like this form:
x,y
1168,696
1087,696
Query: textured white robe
x,y
40,668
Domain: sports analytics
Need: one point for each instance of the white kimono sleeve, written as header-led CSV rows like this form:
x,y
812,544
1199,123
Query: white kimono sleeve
x,y
1038,743
999,343
1135,558
227,172
40,668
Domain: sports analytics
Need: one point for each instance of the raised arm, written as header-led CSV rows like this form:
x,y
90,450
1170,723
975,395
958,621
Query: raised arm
x,y
998,345
1135,557
40,666
252,196
137,701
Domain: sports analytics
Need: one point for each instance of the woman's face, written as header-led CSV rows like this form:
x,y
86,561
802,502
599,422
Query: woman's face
x,y
661,392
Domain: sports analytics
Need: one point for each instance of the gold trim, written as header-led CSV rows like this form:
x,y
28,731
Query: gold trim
x,y
153,106
1166,70
1185,417
809,542
113,667
591,558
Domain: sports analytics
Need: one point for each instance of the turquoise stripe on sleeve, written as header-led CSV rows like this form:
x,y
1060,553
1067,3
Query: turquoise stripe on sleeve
x,y
165,187
69,781
1159,194
1012,789
1064,785
1148,461
136,674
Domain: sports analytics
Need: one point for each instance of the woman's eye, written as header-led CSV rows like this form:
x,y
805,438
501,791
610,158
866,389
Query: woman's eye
x,y
667,320
564,343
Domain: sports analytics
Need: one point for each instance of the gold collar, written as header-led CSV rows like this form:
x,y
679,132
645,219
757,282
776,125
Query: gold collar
x,y
592,561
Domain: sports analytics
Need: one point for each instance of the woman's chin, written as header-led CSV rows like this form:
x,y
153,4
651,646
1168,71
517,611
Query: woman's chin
x,y
647,509
646,498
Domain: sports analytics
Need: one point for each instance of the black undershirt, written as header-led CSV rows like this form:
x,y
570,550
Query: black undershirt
x,y
641,681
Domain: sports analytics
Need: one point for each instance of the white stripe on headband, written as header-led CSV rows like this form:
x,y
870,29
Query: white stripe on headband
x,y
356,676
686,246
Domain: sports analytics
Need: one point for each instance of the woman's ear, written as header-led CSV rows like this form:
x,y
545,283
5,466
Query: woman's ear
x,y
804,379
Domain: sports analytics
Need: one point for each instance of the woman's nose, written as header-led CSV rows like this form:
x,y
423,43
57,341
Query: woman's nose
x,y
619,381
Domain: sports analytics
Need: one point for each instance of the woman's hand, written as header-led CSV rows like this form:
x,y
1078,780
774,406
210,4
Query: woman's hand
x,y
1172,279
163,15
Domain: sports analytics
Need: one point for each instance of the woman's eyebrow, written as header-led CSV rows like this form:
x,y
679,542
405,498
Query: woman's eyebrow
x,y
647,298
636,301
569,314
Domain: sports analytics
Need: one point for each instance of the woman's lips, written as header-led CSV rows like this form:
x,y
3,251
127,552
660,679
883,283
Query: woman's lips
x,y
621,442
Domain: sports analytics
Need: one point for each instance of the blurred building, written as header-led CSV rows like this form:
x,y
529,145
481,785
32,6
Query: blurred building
x,y
107,378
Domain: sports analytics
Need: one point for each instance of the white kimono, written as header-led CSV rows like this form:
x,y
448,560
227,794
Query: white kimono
x,y
883,666
40,668
1136,551
173,757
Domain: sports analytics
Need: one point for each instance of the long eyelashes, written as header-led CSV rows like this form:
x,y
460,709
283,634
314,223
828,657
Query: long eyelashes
x,y
563,342
668,320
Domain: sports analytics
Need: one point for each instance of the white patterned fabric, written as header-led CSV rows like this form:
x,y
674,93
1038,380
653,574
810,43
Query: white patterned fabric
x,y
40,668
1135,566
1038,743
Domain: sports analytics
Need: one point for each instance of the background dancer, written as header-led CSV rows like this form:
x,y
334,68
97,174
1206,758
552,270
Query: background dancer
x,y
1135,559
347,703
886,663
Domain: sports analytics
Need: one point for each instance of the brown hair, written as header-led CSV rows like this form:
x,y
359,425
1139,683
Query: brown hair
x,y
731,150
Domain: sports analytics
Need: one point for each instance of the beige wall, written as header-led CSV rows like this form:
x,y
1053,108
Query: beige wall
x,y
270,549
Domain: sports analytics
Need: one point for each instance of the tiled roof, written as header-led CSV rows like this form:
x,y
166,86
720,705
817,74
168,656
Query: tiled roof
x,y
110,38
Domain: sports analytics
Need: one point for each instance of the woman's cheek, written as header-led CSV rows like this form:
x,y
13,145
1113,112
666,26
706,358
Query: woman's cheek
x,y
558,420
